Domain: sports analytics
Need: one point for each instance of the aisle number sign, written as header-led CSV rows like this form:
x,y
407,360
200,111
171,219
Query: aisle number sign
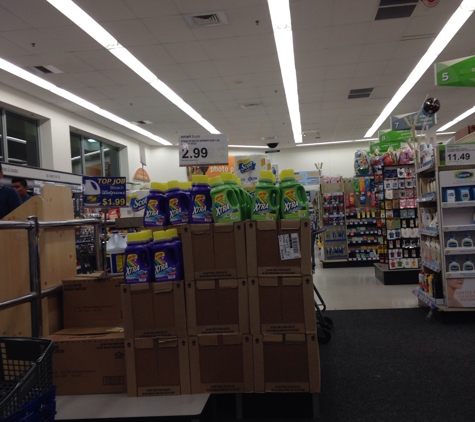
x,y
203,150
396,136
104,192
458,72
418,119
457,155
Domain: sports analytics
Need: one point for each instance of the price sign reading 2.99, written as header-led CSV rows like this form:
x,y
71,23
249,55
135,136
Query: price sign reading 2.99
x,y
203,150
104,192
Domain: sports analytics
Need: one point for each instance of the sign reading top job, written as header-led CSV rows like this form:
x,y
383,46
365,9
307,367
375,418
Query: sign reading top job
x,y
203,150
104,191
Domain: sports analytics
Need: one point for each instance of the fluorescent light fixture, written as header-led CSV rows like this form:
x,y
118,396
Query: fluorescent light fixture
x,y
282,25
456,21
20,141
445,133
96,31
246,146
325,143
456,120
366,140
27,76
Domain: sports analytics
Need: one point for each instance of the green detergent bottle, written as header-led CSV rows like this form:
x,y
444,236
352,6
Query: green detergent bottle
x,y
293,199
225,202
266,204
246,198
229,180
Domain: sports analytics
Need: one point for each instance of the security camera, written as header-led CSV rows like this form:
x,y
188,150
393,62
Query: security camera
x,y
272,145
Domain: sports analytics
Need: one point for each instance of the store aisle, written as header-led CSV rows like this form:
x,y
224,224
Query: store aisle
x,y
358,288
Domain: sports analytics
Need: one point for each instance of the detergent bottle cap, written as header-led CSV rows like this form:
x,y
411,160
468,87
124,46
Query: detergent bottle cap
x,y
149,233
287,174
266,175
214,181
228,177
138,237
158,186
185,185
160,235
171,233
200,178
238,180
173,184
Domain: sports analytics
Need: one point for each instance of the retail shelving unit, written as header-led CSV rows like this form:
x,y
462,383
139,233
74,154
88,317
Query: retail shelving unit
x,y
446,188
401,230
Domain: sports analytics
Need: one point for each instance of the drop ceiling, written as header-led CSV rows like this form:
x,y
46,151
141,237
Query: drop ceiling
x,y
218,70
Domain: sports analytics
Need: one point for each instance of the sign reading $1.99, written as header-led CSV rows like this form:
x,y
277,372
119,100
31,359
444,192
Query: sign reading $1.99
x,y
104,192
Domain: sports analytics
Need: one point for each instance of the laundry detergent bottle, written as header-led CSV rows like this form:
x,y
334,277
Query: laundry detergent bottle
x,y
247,197
225,202
178,204
266,204
173,237
166,258
293,199
138,266
156,209
229,180
201,211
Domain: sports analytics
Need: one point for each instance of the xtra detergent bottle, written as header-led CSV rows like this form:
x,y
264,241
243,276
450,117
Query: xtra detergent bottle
x,y
137,267
266,204
156,209
229,180
186,187
178,204
201,211
166,258
225,202
247,195
172,234
293,199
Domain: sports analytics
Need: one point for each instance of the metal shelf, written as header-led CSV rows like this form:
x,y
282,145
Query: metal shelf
x,y
460,274
427,167
458,251
430,232
466,228
431,266
459,204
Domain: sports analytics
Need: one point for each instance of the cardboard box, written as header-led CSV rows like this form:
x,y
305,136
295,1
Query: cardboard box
x,y
88,361
154,309
217,306
280,305
221,363
281,247
288,363
157,366
214,251
89,301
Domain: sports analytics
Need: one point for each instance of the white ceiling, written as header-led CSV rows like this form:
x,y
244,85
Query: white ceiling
x,y
338,46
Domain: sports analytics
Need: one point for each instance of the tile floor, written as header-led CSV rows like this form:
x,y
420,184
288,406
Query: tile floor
x,y
358,288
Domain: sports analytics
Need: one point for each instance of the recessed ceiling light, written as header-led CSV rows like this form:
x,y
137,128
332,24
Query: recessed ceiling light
x,y
456,21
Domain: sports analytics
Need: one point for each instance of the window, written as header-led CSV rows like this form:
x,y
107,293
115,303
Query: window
x,y
91,157
21,143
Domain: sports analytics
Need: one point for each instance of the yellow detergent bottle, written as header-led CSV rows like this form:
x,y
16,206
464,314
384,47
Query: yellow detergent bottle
x,y
266,204
225,202
293,199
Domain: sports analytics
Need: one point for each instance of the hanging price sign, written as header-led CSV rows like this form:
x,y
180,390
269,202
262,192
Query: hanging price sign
x,y
103,192
203,150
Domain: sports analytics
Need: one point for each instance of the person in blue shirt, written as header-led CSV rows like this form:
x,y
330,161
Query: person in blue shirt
x,y
9,199
21,186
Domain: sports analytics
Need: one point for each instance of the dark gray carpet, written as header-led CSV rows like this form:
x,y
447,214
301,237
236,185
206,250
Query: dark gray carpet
x,y
395,365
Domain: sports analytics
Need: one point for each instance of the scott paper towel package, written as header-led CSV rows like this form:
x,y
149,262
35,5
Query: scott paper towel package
x,y
248,167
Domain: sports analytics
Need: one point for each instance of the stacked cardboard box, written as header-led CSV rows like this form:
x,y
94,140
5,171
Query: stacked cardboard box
x,y
281,304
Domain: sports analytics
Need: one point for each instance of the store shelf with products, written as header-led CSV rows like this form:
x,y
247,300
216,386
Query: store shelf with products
x,y
401,234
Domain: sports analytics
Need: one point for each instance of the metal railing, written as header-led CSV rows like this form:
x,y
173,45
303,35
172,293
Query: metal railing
x,y
34,297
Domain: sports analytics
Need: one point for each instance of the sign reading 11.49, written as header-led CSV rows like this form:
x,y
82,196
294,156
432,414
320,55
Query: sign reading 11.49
x,y
104,191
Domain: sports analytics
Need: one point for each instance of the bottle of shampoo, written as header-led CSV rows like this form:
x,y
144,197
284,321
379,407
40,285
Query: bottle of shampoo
x,y
454,266
467,242
452,243
468,264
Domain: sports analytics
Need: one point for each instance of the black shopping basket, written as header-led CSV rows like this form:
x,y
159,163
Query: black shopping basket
x,y
26,390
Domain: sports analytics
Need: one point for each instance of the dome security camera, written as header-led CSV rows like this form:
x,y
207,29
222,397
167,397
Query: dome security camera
x,y
272,145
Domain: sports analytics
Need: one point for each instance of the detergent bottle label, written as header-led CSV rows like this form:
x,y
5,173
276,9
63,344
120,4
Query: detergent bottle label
x,y
133,271
178,213
152,214
163,270
292,204
262,205
223,209
201,211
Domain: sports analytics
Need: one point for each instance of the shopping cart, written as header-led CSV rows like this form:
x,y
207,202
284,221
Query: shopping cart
x,y
26,390
325,323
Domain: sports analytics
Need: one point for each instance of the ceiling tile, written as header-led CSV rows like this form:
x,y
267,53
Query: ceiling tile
x,y
187,52
314,58
256,45
211,84
200,70
130,32
340,72
250,20
371,68
10,49
221,48
309,14
106,10
152,55
93,79
100,59
152,8
344,55
345,12
170,72
233,66
345,35
169,29
32,12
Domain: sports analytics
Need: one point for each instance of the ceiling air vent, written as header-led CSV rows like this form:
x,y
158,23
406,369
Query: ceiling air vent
x,y
360,93
206,19
44,69
395,9
251,105
142,122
